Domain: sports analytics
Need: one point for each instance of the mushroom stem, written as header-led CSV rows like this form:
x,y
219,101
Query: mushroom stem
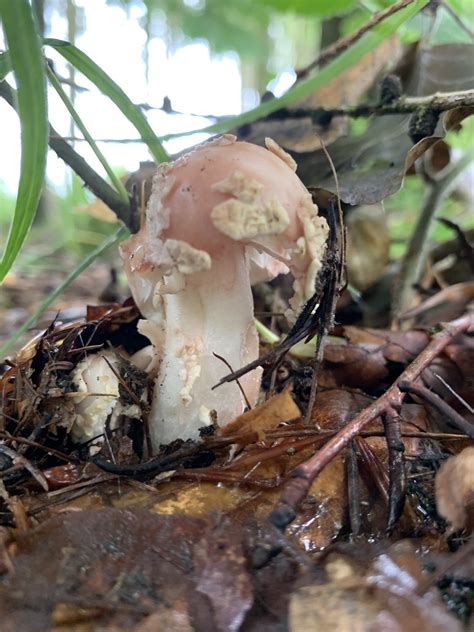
x,y
213,314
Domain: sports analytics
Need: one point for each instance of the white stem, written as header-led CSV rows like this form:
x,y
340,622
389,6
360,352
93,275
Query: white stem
x,y
212,314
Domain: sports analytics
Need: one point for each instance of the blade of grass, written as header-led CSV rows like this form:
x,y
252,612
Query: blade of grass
x,y
77,119
5,65
366,44
107,86
27,63
85,263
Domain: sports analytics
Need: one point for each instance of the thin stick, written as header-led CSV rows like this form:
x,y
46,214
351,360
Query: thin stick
x,y
344,42
443,407
247,403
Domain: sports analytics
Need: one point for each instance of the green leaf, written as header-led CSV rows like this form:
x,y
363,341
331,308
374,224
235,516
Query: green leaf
x,y
77,119
113,239
107,86
366,44
5,65
27,64
310,7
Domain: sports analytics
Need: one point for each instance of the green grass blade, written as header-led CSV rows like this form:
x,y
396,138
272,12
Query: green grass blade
x,y
366,44
27,63
78,121
107,86
85,263
5,65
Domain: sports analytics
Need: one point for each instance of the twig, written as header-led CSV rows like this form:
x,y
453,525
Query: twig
x,y
353,488
396,468
443,407
344,42
91,178
303,476
414,258
149,469
23,463
328,322
241,389
454,393
437,102
374,468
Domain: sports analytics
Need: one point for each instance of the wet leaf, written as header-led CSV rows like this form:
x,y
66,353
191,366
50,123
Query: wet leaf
x,y
219,565
383,597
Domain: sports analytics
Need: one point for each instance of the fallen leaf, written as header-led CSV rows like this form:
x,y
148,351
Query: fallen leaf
x,y
278,409
455,490
378,599
221,575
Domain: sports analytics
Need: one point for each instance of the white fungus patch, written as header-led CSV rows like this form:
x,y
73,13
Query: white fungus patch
x,y
187,259
275,148
95,378
247,215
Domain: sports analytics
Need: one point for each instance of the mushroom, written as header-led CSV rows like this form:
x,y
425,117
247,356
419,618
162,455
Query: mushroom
x,y
224,216
97,398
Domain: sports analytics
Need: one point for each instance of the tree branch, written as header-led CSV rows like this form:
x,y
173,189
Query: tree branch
x,y
438,102
343,43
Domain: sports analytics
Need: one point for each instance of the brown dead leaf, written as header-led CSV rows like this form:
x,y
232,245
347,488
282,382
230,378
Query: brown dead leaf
x,y
333,408
353,366
455,490
372,166
113,566
278,409
220,571
396,346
